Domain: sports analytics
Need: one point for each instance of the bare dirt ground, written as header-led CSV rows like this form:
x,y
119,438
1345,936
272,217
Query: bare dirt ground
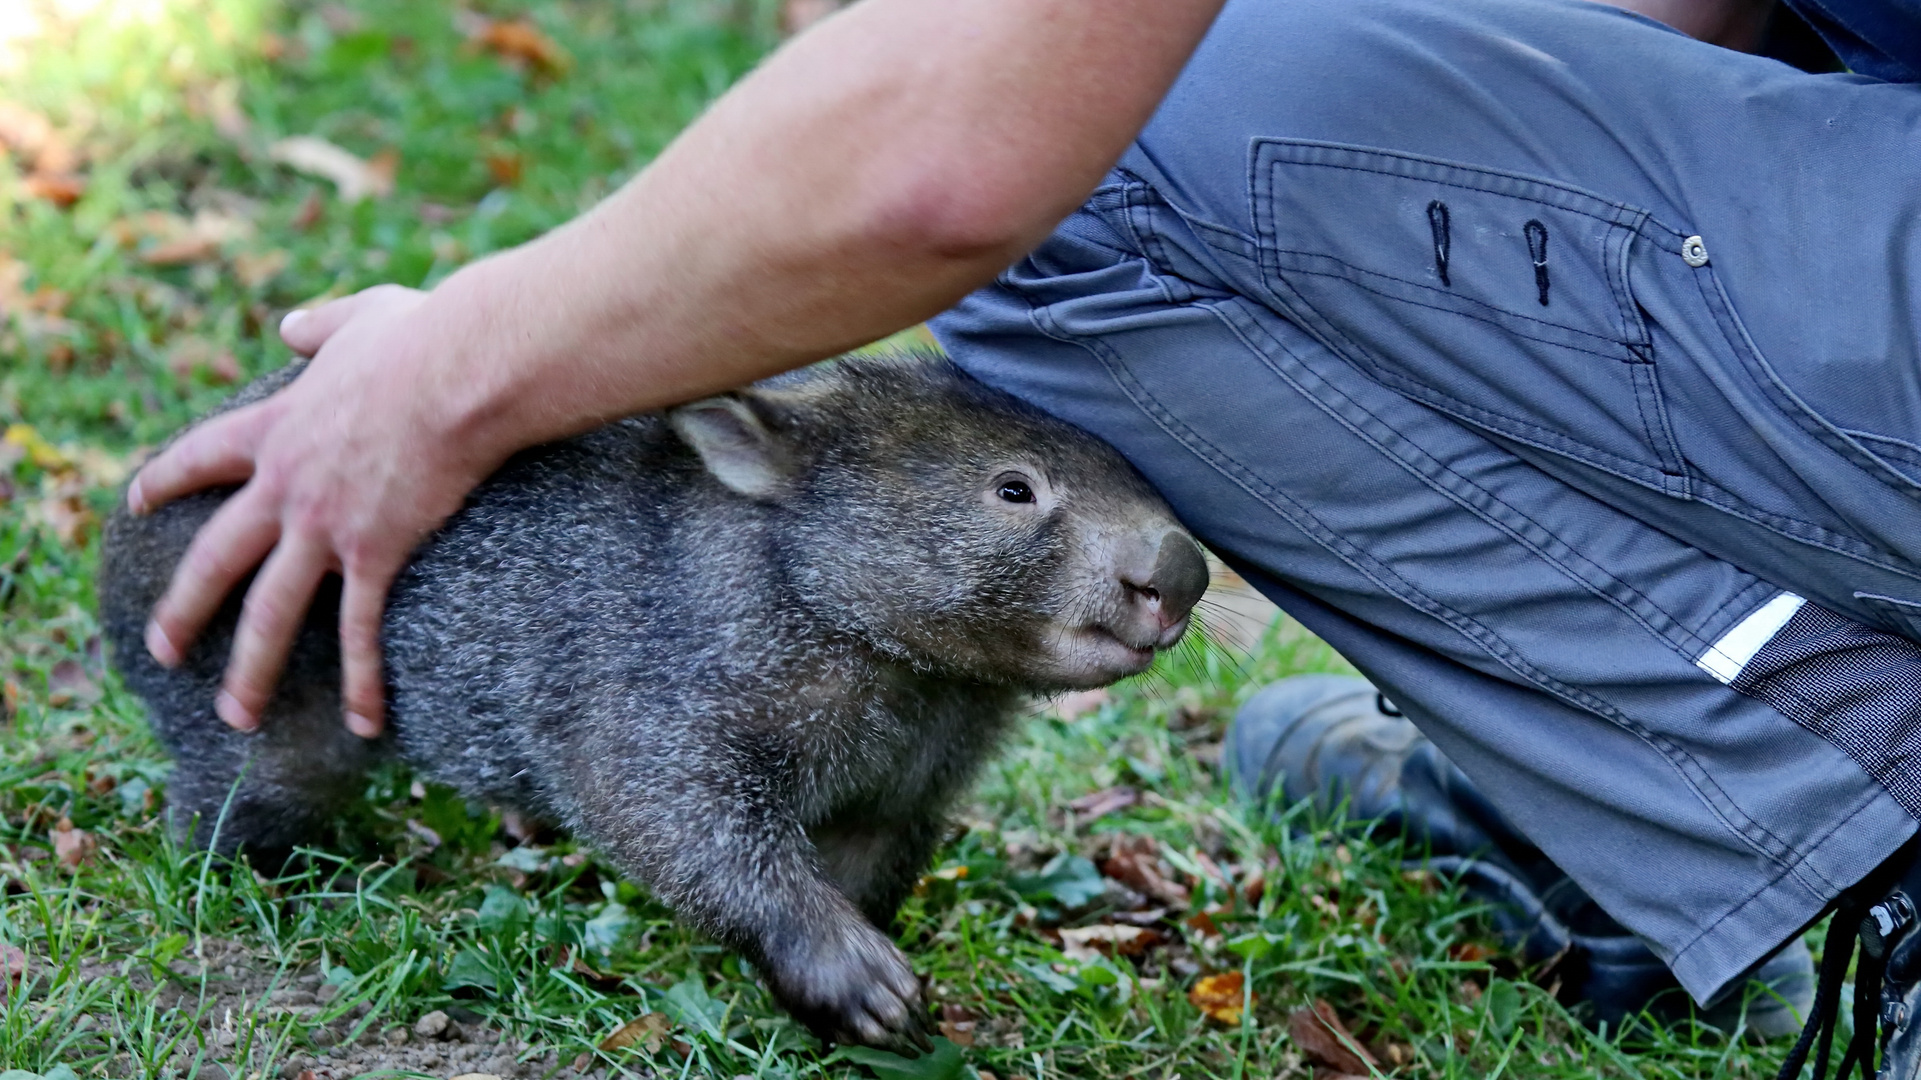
x,y
229,985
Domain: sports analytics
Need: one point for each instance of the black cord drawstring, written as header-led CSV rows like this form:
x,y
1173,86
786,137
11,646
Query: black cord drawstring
x,y
1868,972
1822,1021
1851,924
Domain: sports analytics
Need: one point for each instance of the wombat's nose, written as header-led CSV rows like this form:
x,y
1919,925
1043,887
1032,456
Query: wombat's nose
x,y
1177,581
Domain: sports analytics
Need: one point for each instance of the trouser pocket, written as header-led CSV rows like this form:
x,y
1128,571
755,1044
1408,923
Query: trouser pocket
x,y
1502,300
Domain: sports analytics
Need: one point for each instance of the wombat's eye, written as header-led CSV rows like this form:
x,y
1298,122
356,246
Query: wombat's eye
x,y
1016,491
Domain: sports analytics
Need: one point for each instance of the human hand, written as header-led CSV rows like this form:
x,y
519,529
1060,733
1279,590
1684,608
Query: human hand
x,y
345,470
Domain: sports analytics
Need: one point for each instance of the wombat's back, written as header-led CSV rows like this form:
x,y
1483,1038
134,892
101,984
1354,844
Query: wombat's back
x,y
582,570
563,569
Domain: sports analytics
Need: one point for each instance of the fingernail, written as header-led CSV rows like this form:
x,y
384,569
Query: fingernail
x,y
160,647
136,500
362,726
235,714
290,320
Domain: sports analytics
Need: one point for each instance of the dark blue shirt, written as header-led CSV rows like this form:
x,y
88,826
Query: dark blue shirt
x,y
1878,38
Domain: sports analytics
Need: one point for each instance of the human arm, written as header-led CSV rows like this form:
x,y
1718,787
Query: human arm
x,y
867,176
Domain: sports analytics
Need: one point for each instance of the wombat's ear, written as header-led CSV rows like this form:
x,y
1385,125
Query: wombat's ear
x,y
735,444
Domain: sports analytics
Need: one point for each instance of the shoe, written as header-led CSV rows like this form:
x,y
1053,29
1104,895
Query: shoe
x,y
1336,741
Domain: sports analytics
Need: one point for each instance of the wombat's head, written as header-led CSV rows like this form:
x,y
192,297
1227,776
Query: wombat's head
x,y
952,526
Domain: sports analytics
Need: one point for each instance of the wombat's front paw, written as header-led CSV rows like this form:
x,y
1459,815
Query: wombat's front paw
x,y
854,986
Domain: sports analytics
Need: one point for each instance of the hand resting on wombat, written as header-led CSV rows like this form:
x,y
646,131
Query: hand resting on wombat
x,y
750,649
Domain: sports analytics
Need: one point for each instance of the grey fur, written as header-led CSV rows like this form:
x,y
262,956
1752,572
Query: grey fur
x,y
750,649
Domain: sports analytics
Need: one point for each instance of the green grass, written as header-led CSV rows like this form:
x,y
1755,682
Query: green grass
x,y
149,961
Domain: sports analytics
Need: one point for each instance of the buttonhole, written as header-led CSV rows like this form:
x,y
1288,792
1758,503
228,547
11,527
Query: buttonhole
x,y
1437,223
1537,250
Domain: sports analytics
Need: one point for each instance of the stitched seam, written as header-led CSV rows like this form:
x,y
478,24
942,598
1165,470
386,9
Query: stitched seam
x,y
1641,407
1712,632
1269,149
1647,395
1454,297
1555,442
1794,868
1520,430
1818,537
1453,184
1785,399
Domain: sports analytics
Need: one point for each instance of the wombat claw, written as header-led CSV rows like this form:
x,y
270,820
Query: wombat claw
x,y
862,992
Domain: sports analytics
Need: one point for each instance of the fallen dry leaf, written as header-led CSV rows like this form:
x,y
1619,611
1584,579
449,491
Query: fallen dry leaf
x,y
525,830
42,453
178,241
191,353
945,873
1469,952
1203,923
423,833
958,1024
649,1032
520,41
505,168
1211,869
24,131
1254,885
181,251
310,210
72,846
1135,863
13,968
62,189
52,163
1220,997
223,108
1320,1035
254,270
68,682
1106,801
605,983
354,178
1088,942
68,515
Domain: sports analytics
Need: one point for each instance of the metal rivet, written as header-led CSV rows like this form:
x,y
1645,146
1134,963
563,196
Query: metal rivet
x,y
1694,252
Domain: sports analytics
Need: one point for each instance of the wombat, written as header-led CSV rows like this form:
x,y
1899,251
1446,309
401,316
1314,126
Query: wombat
x,y
749,649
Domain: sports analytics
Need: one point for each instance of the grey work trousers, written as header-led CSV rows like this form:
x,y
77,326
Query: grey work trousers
x,y
1563,373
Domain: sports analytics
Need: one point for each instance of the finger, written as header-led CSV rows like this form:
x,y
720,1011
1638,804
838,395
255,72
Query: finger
x,y
362,602
219,451
226,549
306,330
275,608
